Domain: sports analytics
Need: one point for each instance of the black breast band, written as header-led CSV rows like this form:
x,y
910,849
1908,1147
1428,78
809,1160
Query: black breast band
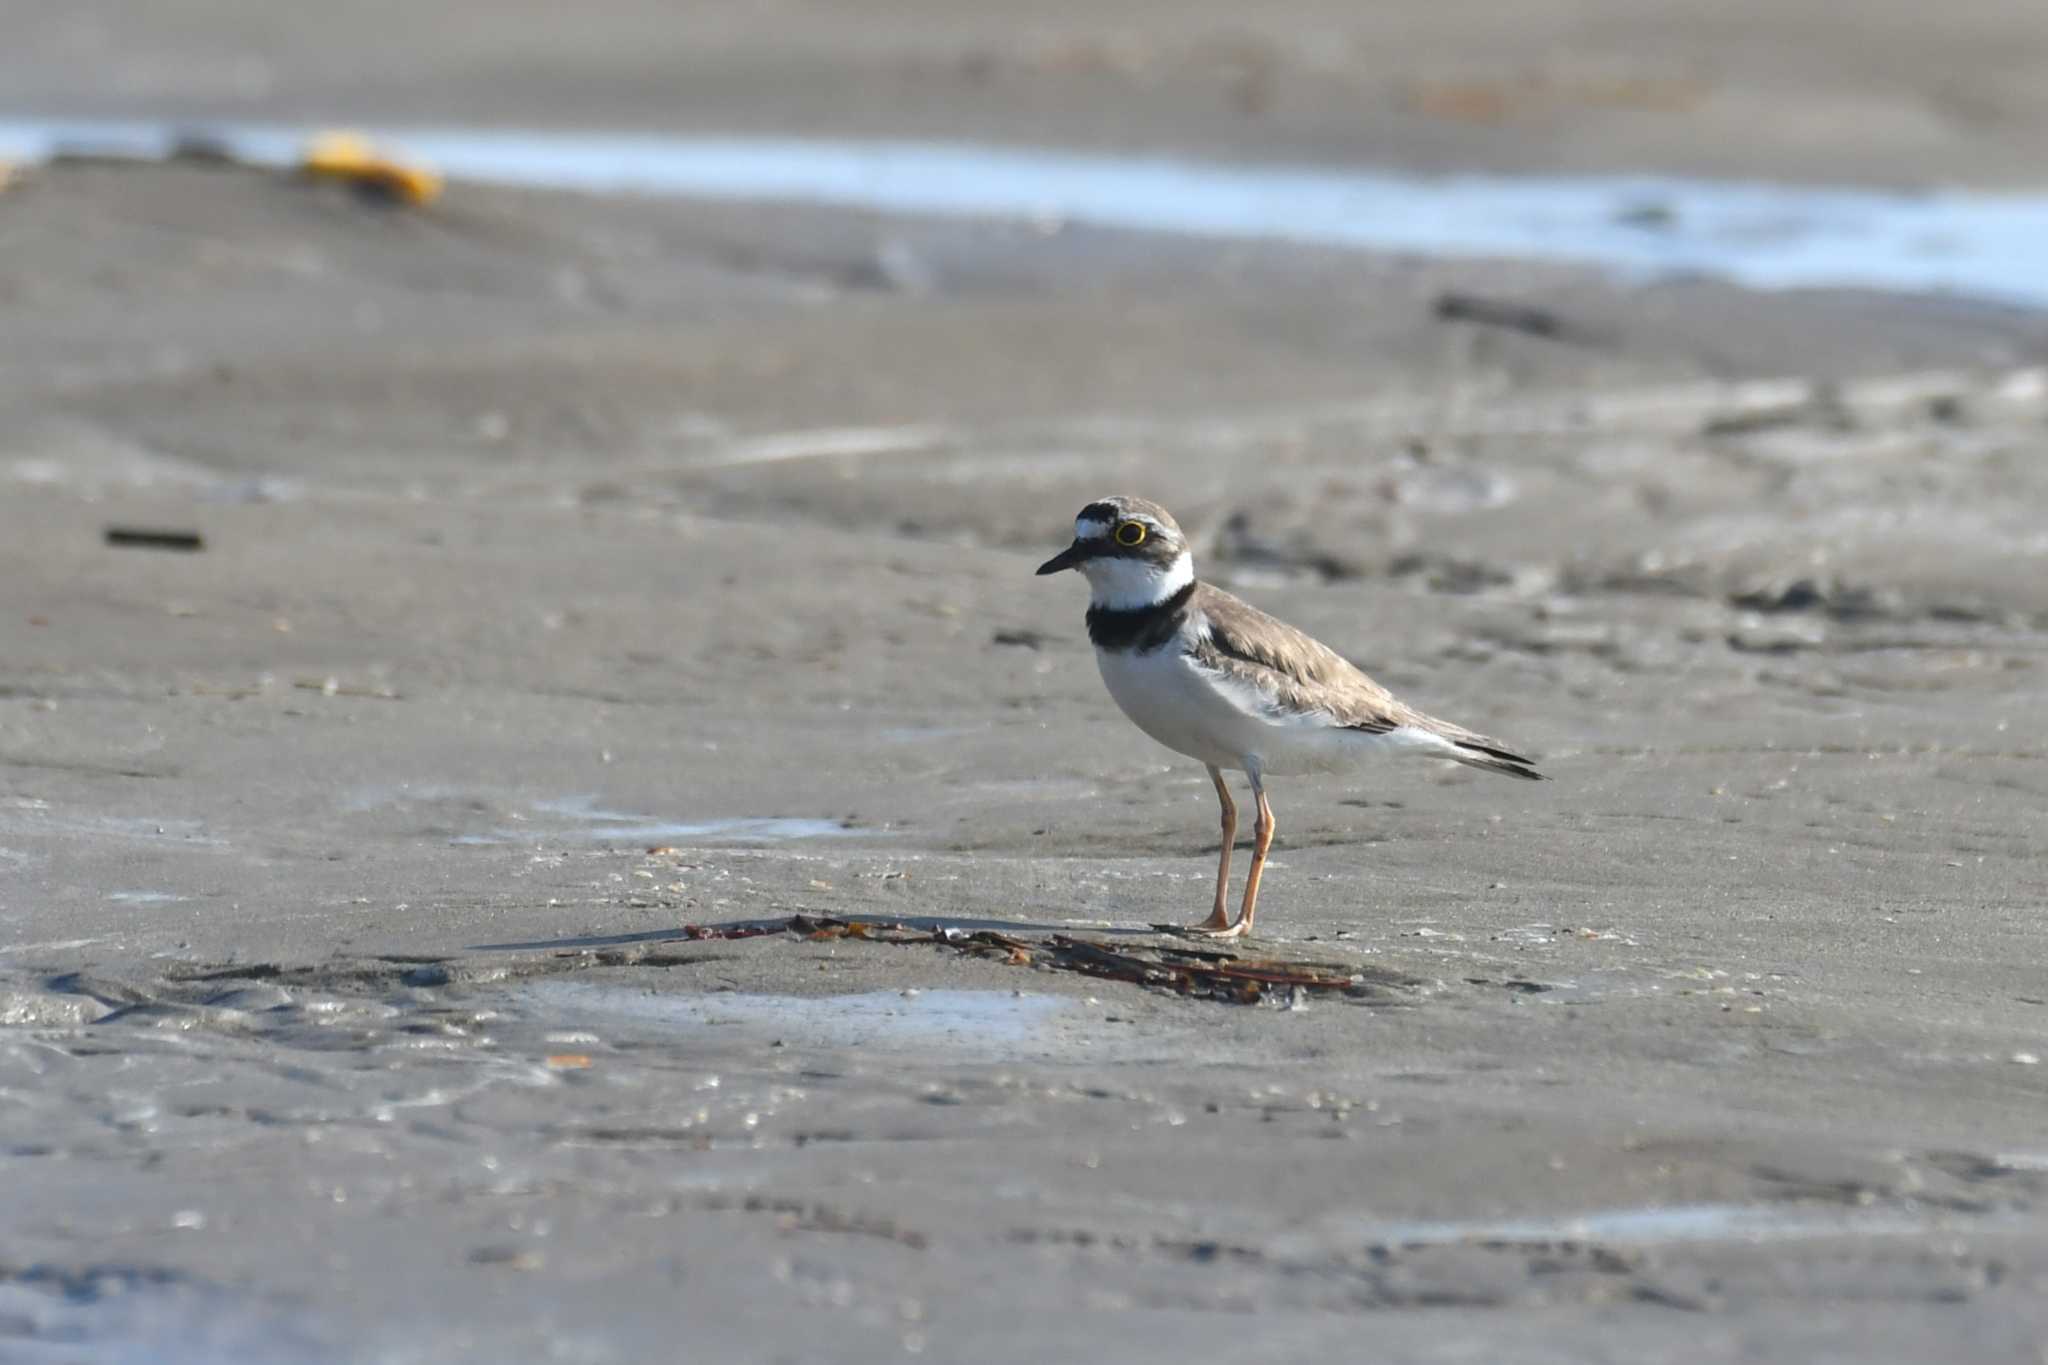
x,y
1143,629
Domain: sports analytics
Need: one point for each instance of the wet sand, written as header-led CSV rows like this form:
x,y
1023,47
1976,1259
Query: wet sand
x,y
576,570
1744,89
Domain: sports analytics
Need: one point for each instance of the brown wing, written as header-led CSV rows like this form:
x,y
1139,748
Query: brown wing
x,y
1297,671
1302,675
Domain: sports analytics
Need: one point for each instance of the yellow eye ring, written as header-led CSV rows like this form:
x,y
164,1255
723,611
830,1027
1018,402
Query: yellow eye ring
x,y
1130,533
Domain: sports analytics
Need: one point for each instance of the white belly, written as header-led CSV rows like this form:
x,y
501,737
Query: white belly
x,y
1168,697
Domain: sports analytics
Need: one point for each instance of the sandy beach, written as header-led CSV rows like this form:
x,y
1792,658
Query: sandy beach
x,y
587,582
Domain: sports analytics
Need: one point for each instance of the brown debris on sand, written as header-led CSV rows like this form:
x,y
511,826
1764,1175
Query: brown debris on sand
x,y
1203,973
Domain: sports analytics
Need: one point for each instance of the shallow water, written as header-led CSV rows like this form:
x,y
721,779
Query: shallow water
x,y
138,1315
1643,1226
919,1019
1760,235
580,818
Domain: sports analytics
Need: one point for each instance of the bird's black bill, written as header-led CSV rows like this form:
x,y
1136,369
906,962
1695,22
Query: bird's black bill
x,y
1065,559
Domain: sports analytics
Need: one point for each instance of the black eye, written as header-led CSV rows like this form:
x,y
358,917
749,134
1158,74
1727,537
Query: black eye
x,y
1131,533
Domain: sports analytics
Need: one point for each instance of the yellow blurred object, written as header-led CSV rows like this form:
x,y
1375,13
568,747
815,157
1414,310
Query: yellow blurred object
x,y
352,157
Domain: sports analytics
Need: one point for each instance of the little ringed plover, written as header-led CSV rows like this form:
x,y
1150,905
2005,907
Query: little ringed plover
x,y
1215,678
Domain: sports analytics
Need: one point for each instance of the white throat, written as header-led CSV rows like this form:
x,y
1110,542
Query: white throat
x,y
1125,584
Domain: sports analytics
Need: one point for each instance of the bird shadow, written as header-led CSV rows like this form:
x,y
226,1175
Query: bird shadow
x,y
747,928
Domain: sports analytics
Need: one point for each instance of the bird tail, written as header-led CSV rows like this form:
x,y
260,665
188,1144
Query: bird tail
x,y
1476,751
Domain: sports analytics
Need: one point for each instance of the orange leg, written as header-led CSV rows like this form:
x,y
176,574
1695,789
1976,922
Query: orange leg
x,y
1262,839
1219,919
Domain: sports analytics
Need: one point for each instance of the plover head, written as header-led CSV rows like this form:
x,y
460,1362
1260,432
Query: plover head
x,y
1131,551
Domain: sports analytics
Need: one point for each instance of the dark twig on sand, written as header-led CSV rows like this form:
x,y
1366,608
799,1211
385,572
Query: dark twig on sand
x,y
152,538
1511,315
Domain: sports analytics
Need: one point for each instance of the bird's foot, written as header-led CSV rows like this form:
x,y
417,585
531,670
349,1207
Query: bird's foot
x,y
1216,927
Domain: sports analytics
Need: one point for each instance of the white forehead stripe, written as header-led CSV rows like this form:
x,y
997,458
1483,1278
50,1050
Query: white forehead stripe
x,y
1085,529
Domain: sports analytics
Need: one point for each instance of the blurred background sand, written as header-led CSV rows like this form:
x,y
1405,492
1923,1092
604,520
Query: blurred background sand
x,y
579,567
